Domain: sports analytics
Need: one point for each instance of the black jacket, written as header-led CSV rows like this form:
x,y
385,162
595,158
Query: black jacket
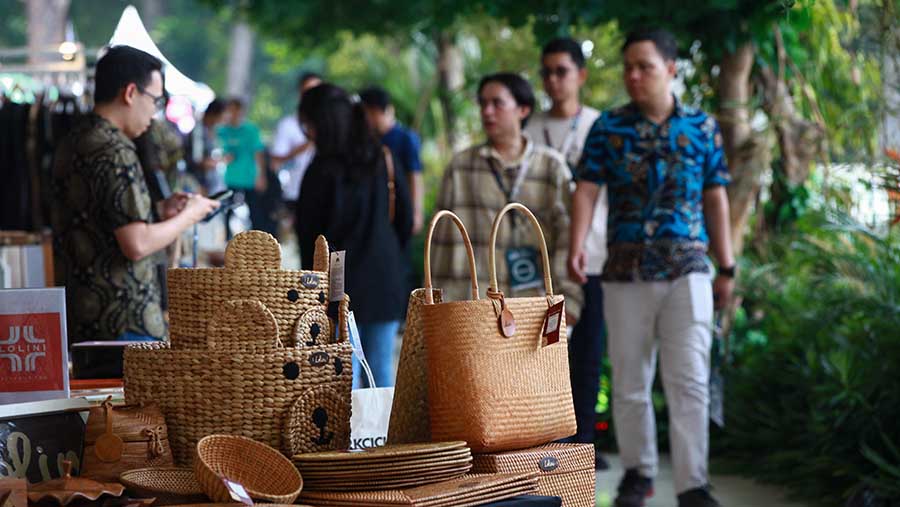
x,y
350,207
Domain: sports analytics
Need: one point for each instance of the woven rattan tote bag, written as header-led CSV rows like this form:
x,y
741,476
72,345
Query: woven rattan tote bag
x,y
410,422
497,386
252,353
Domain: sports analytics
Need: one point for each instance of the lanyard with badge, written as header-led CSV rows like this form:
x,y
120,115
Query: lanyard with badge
x,y
570,136
521,262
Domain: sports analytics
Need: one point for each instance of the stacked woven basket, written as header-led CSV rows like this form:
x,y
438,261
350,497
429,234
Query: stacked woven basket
x,y
252,352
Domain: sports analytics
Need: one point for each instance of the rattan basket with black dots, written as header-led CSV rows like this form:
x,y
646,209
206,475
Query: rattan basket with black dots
x,y
252,352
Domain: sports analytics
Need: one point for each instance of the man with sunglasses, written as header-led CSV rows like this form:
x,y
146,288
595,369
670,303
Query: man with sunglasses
x,y
564,128
104,232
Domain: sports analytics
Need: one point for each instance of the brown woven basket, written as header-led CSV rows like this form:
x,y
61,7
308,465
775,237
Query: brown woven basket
x,y
267,366
263,471
494,391
564,470
410,421
168,485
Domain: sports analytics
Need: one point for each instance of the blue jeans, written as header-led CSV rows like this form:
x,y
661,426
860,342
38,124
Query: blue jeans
x,y
378,340
128,336
586,348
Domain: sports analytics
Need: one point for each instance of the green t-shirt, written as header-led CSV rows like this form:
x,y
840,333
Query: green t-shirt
x,y
242,143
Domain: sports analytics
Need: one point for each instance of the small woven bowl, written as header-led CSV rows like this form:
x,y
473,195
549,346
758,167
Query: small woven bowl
x,y
264,472
168,485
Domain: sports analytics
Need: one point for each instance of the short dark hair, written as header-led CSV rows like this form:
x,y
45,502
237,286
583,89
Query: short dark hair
x,y
217,106
565,45
375,96
236,102
663,39
518,87
340,126
121,66
306,76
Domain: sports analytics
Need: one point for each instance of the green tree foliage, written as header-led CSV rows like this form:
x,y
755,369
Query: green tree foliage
x,y
813,355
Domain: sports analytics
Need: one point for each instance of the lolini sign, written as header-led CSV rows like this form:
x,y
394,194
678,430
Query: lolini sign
x,y
30,353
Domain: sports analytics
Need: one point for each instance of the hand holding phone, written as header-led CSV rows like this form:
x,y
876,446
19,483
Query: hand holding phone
x,y
223,199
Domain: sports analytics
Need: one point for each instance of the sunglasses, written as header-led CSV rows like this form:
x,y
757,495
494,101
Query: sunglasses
x,y
559,72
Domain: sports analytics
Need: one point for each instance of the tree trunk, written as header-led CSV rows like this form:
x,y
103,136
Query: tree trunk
x,y
799,141
747,151
240,61
46,27
450,79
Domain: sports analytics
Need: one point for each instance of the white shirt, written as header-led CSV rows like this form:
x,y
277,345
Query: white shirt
x,y
559,134
287,137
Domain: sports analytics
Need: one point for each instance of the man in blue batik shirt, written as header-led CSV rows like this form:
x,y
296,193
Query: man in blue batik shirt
x,y
664,168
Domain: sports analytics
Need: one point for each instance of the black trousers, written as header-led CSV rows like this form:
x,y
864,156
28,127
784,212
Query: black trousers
x,y
586,348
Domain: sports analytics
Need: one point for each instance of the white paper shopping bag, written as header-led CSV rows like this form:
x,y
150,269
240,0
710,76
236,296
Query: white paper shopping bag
x,y
371,408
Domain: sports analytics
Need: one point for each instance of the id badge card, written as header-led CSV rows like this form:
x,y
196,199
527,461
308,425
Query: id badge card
x,y
522,265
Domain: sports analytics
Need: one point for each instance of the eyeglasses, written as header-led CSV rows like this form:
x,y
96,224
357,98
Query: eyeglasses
x,y
559,72
159,102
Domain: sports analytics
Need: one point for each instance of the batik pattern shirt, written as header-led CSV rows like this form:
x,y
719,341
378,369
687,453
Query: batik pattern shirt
x,y
98,186
656,175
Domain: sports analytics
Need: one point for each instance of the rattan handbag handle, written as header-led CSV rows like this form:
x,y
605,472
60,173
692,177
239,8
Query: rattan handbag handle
x,y
492,253
429,298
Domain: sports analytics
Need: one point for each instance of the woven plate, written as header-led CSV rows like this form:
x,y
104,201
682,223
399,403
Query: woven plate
x,y
423,460
472,489
168,485
385,470
387,454
371,484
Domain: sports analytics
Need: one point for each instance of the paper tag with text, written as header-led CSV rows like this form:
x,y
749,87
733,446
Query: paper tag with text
x,y
552,323
336,276
237,492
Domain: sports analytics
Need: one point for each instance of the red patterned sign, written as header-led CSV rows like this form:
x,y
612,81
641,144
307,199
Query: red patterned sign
x,y
31,352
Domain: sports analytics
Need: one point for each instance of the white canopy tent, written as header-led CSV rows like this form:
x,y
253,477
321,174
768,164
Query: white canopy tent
x,y
131,32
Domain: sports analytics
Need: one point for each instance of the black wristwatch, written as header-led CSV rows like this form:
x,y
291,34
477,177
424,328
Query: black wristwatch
x,y
727,272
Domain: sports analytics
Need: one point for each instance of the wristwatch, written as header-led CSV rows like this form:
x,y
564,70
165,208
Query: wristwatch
x,y
727,272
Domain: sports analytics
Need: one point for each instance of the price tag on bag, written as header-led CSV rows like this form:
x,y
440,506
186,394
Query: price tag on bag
x,y
336,276
552,323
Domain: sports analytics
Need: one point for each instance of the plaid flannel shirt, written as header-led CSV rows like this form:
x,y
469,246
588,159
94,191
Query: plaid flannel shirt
x,y
471,190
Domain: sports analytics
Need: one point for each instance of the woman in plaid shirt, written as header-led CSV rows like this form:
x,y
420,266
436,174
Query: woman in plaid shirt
x,y
482,179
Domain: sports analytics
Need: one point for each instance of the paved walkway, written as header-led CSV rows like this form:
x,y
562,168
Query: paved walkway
x,y
730,490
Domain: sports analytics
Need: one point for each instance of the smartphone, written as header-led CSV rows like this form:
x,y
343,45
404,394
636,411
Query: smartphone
x,y
222,196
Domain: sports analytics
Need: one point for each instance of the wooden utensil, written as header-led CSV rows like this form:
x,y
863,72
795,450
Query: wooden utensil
x,y
108,447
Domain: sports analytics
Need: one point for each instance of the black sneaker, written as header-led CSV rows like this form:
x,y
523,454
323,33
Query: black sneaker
x,y
697,497
599,462
633,490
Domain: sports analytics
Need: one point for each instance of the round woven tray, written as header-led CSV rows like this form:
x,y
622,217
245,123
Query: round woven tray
x,y
168,485
264,472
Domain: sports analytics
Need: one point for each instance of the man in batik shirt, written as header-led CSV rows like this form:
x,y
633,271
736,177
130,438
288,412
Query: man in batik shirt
x,y
104,232
665,172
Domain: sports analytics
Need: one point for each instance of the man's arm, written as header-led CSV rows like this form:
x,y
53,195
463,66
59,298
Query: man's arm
x,y
718,225
417,196
140,239
261,181
583,201
296,150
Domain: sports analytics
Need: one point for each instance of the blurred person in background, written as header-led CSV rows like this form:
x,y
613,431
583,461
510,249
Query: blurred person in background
x,y
481,180
564,128
291,151
347,197
403,143
202,148
246,171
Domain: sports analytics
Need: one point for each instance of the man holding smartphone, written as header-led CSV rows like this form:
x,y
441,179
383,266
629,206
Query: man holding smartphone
x,y
103,227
